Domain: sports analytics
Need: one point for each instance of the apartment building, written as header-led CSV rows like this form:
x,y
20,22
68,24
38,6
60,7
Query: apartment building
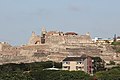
x,y
83,63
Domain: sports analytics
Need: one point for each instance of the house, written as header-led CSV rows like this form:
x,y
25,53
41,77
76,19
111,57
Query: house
x,y
102,40
118,38
83,63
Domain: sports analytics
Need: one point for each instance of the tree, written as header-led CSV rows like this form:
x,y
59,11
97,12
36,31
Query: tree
x,y
98,64
113,74
69,75
112,63
35,71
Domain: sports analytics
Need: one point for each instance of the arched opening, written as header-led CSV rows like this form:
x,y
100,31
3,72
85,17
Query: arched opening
x,y
37,42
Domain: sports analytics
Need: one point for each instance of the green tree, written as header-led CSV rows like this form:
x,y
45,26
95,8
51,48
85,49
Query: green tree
x,y
69,75
112,63
113,74
98,64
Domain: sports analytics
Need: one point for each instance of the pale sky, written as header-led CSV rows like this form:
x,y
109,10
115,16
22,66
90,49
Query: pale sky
x,y
18,18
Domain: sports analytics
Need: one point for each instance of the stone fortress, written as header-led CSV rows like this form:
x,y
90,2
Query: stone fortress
x,y
55,46
54,37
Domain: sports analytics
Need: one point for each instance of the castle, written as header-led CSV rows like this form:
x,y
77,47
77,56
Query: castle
x,y
55,46
55,37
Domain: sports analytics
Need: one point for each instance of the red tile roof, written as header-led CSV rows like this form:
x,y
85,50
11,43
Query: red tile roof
x,y
71,33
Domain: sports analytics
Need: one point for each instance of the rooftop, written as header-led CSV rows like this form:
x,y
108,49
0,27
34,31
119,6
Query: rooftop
x,y
76,58
71,33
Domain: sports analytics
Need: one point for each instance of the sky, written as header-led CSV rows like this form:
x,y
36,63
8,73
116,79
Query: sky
x,y
18,18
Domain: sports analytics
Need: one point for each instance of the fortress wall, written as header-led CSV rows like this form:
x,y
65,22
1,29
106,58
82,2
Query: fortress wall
x,y
35,47
0,47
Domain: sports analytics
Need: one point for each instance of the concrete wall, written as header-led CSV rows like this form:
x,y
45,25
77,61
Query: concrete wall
x,y
85,63
73,65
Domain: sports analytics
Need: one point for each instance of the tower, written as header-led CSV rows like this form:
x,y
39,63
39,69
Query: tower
x,y
88,34
115,38
32,38
43,34
33,33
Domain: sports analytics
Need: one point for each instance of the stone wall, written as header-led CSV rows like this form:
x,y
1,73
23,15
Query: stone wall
x,y
54,37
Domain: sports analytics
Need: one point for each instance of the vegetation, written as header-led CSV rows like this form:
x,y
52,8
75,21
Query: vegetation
x,y
98,64
116,46
115,43
67,75
112,63
35,71
113,74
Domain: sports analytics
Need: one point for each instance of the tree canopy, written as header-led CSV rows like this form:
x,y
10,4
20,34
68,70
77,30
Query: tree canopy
x,y
35,71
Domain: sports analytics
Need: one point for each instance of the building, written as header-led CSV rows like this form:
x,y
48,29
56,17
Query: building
x,y
57,37
83,63
102,40
118,39
4,46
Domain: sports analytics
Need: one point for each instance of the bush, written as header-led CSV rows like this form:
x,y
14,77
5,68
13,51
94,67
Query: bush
x,y
113,74
115,43
112,63
34,71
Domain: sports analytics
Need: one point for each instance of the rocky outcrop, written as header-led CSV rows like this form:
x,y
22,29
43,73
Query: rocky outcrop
x,y
45,52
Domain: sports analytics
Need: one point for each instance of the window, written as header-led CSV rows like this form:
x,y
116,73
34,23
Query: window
x,y
90,67
80,67
79,62
66,62
65,67
68,67
76,67
90,71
